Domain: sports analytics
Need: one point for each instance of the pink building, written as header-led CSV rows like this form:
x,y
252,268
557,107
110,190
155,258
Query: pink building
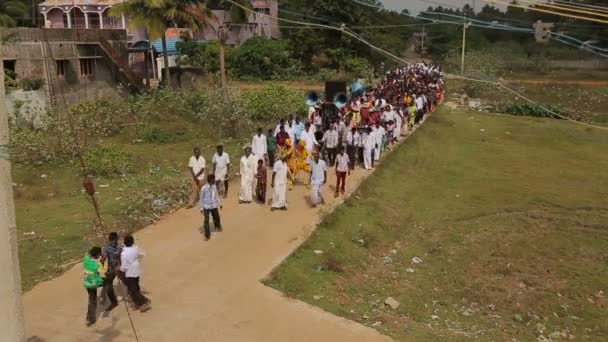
x,y
94,14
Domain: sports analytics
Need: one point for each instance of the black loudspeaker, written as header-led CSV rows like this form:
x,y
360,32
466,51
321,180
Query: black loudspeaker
x,y
332,88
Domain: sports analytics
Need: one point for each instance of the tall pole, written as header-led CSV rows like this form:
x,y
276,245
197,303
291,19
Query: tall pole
x,y
11,310
222,34
423,36
464,42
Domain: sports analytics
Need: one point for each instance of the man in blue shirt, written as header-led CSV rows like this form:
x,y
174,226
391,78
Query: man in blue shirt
x,y
298,129
210,204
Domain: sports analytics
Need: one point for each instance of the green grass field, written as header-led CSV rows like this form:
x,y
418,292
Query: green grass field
x,y
509,216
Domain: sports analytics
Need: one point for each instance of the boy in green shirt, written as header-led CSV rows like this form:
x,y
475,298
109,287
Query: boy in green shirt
x,y
92,281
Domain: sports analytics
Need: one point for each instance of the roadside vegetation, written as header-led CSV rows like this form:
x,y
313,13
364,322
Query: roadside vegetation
x,y
480,226
137,148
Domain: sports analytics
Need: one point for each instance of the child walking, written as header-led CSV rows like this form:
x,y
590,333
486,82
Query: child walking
x,y
260,189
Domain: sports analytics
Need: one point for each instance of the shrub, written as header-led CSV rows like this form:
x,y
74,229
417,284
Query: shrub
x,y
359,67
261,58
272,103
108,160
31,83
533,110
155,135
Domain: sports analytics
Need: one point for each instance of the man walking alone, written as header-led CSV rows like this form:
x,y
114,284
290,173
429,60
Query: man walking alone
x,y
210,204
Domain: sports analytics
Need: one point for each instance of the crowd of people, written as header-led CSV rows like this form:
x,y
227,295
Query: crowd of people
x,y
354,134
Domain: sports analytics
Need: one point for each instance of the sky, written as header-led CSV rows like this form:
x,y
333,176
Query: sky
x,y
417,5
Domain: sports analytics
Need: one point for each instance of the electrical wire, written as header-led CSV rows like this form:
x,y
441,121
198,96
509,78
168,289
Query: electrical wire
x,y
559,7
547,11
581,5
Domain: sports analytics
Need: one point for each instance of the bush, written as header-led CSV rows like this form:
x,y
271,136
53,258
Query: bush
x,y
261,58
155,135
359,67
108,160
533,110
28,84
272,103
203,55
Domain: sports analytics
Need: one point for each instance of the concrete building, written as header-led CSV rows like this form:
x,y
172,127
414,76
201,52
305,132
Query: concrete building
x,y
94,14
59,67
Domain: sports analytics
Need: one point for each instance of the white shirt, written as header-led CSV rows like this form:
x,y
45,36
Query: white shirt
x,y
249,165
380,133
280,170
197,165
310,141
221,165
317,174
258,145
311,111
357,141
342,162
129,261
330,138
419,103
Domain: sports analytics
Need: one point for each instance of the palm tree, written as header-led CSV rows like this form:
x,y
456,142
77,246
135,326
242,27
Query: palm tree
x,y
156,16
12,11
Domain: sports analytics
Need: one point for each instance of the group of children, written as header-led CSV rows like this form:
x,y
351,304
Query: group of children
x,y
103,265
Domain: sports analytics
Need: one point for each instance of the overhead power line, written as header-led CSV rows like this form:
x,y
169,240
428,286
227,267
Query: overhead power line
x,y
559,7
581,5
509,4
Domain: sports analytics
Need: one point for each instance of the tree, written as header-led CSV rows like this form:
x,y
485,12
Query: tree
x,y
13,12
158,15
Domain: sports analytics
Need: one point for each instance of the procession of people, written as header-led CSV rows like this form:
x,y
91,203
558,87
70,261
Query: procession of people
x,y
355,134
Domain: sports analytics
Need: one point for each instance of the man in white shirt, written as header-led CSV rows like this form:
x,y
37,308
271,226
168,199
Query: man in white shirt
x,y
258,145
248,169
318,177
221,167
330,142
280,174
197,170
309,138
342,168
130,267
369,144
380,139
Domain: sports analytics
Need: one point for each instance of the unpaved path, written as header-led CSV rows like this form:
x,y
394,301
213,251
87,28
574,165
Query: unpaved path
x,y
205,291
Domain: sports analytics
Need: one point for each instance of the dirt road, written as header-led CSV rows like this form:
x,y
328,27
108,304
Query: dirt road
x,y
205,291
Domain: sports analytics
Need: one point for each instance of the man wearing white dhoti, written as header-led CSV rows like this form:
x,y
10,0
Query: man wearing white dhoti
x,y
280,174
318,177
248,169
258,145
221,167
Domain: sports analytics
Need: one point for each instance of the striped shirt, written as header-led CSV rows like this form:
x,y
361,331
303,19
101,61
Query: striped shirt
x,y
209,197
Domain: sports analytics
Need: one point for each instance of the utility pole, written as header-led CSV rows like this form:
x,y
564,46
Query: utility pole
x,y
423,36
11,310
464,42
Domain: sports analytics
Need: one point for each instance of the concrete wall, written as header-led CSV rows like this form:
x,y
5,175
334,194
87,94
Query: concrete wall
x,y
36,58
27,107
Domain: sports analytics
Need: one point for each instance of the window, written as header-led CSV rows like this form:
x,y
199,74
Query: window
x,y
10,75
62,67
87,67
264,10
